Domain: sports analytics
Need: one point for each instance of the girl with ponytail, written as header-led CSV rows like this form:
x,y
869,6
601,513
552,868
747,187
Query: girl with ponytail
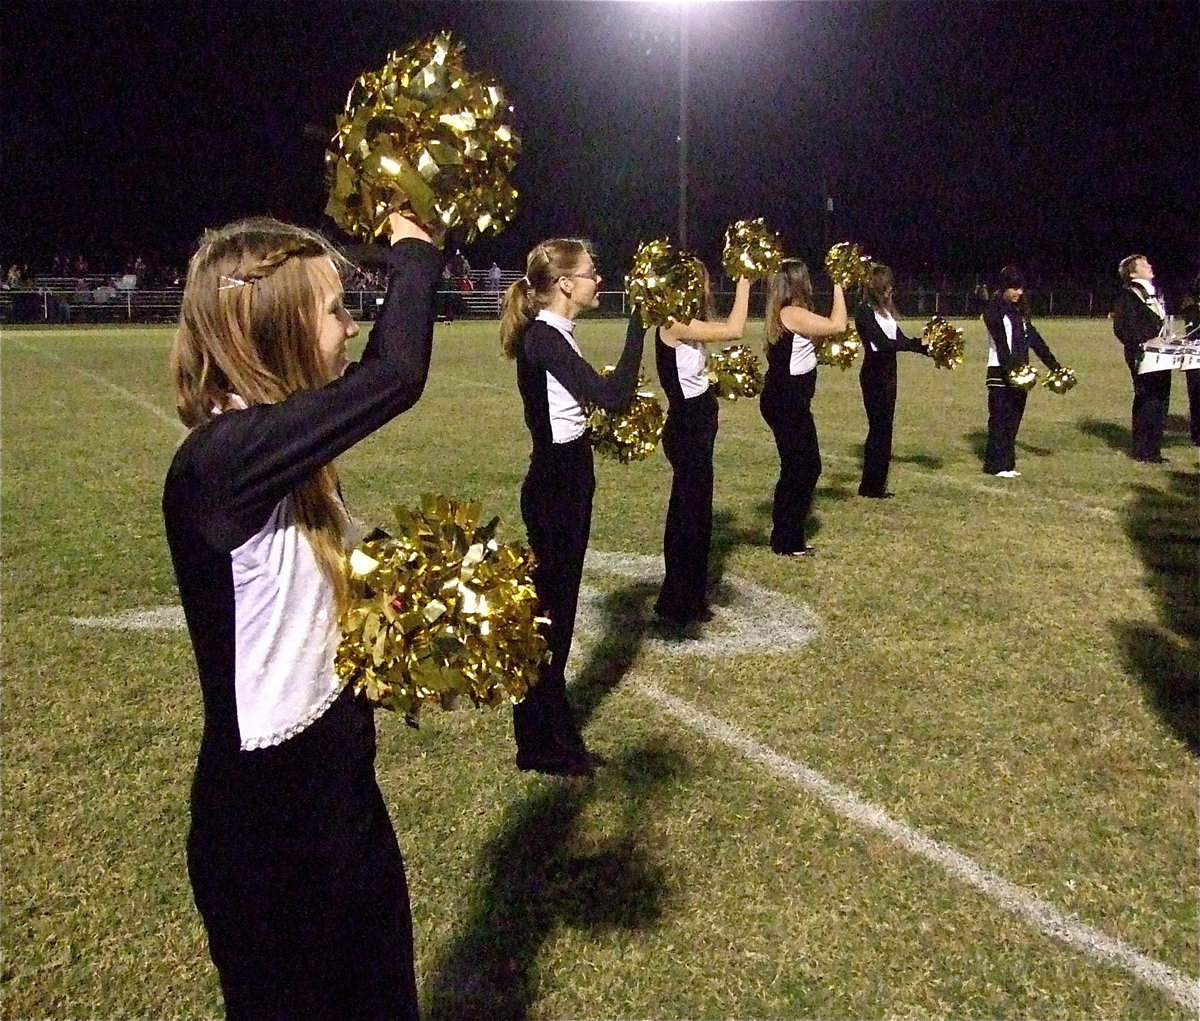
x,y
293,862
537,327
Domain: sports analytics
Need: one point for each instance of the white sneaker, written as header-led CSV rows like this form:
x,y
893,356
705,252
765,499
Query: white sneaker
x,y
1008,475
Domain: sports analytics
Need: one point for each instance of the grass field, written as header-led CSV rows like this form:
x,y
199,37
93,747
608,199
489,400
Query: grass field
x,y
947,768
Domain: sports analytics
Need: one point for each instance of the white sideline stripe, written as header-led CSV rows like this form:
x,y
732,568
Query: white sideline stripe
x,y
1065,927
105,383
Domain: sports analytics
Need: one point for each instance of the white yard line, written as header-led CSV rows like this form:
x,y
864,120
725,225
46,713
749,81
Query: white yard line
x,y
103,383
1041,915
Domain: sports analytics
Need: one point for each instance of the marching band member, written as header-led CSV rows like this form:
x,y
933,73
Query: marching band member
x,y
1138,317
1011,337
537,328
293,861
875,319
688,437
788,389
1190,309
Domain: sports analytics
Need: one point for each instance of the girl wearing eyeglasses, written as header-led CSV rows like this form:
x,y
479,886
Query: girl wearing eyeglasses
x,y
788,389
688,438
537,330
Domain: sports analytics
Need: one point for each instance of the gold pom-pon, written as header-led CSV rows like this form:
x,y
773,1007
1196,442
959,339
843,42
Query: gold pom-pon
x,y
1060,380
632,436
840,349
944,342
665,283
422,134
440,612
847,265
1023,377
752,250
735,372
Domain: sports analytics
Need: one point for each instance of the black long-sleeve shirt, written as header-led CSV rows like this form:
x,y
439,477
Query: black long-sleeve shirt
x,y
1012,337
543,352
879,350
1135,320
259,611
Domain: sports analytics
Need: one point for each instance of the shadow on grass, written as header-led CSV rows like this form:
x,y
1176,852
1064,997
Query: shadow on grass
x,y
534,877
977,438
921,460
1164,657
1115,436
727,535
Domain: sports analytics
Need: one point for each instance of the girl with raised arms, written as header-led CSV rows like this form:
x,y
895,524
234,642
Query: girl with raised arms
x,y
788,389
293,861
688,437
880,333
537,330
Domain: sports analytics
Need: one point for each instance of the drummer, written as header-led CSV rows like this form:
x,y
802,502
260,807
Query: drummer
x,y
1138,317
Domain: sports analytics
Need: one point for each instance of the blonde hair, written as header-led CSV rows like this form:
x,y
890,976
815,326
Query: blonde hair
x,y
248,328
524,298
788,285
707,308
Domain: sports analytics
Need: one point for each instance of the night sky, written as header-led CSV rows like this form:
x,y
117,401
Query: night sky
x,y
952,136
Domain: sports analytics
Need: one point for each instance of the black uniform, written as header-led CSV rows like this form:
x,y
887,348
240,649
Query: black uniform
x,y
1012,337
688,438
1138,318
877,379
556,504
786,405
293,861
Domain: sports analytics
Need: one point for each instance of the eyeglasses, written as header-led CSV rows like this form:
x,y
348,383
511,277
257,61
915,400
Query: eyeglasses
x,y
593,275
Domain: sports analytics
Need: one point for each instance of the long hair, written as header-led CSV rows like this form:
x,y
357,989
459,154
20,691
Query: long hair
x,y
248,330
878,289
707,307
788,285
524,298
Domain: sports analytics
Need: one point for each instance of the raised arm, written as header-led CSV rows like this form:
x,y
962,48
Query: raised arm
x,y
547,348
809,324
260,454
715,331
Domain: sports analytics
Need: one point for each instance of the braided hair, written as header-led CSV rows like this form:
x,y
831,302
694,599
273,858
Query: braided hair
x,y
247,334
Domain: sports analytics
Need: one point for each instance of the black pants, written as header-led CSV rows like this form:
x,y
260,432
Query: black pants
x,y
878,385
1006,406
688,438
298,877
1151,399
1192,376
787,408
556,504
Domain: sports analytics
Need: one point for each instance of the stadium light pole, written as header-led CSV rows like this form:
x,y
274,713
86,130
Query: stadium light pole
x,y
683,126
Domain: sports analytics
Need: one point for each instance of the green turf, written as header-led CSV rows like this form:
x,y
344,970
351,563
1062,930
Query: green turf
x,y
1008,666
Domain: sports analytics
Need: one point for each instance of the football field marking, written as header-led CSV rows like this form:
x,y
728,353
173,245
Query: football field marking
x,y
1067,928
103,382
644,569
